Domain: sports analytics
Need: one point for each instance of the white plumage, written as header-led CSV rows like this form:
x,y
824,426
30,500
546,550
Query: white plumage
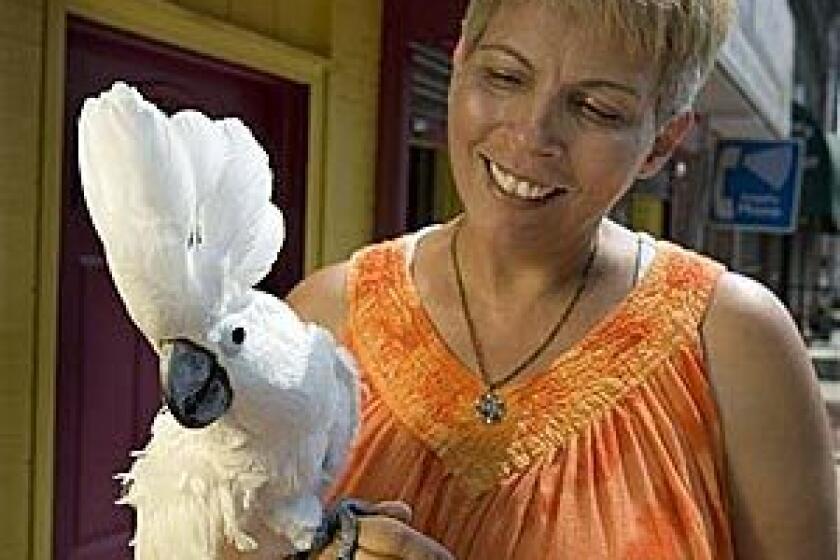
x,y
182,206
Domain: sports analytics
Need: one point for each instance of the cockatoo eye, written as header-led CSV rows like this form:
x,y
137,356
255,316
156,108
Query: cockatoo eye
x,y
232,340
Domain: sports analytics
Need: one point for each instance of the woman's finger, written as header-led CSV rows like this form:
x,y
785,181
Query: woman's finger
x,y
396,509
331,553
386,536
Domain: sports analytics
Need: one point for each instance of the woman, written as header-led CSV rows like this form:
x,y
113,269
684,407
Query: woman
x,y
540,382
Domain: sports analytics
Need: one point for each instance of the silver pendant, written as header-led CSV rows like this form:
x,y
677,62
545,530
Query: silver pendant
x,y
490,408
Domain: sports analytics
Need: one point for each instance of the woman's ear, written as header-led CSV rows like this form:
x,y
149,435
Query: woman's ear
x,y
668,138
460,51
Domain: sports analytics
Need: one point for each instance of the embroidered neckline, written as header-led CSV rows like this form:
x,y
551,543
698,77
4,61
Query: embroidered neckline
x,y
413,371
518,385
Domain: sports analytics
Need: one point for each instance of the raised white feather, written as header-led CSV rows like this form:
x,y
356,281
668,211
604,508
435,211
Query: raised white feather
x,y
186,195
182,206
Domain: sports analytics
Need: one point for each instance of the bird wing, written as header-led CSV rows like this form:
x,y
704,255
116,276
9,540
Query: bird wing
x,y
345,419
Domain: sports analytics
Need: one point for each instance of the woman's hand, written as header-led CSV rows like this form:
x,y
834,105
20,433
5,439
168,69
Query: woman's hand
x,y
387,536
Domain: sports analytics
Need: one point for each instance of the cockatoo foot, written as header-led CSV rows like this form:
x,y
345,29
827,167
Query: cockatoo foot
x,y
340,522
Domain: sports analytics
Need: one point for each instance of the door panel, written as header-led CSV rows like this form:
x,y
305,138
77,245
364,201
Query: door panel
x,y
107,388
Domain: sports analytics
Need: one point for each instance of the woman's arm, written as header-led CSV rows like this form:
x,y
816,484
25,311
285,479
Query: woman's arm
x,y
780,469
320,298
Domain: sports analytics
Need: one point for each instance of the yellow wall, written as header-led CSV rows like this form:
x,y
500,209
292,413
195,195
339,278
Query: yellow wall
x,y
343,32
351,124
647,213
303,24
447,202
21,54
348,32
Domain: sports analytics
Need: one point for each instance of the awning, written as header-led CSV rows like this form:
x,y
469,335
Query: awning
x,y
832,193
819,206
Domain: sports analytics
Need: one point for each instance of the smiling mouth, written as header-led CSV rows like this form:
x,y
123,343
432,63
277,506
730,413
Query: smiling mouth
x,y
519,188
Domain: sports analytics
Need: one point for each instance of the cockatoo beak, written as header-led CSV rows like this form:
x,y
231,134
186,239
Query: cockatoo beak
x,y
196,388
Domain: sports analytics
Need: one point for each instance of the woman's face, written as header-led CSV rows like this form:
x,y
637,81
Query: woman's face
x,y
549,123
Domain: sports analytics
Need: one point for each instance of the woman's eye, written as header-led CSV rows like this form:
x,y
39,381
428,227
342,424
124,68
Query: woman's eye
x,y
501,78
598,113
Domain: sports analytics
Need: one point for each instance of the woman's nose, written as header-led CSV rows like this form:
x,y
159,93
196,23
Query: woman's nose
x,y
543,129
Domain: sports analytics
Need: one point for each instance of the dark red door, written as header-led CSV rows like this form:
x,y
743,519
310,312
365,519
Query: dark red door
x,y
107,389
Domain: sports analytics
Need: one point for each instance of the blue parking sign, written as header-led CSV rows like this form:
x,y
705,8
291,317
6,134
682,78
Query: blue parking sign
x,y
757,184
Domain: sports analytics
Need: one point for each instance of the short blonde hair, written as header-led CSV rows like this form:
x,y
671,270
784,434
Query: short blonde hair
x,y
682,37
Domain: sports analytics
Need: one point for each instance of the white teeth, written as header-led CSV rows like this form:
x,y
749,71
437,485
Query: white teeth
x,y
514,186
523,189
502,179
535,192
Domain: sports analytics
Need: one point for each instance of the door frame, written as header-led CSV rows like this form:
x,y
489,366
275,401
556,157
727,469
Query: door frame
x,y
166,23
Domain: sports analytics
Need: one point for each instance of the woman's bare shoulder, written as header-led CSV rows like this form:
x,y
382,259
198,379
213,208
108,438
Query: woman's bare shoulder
x,y
774,422
753,347
746,318
321,297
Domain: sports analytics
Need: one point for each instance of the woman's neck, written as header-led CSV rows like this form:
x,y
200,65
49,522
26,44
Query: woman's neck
x,y
528,267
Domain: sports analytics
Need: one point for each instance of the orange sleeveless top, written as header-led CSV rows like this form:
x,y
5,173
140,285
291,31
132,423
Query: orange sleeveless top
x,y
614,452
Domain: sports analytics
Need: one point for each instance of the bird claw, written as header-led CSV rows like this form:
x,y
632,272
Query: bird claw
x,y
341,522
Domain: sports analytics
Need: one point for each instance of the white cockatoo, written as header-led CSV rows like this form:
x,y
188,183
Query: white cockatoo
x,y
261,407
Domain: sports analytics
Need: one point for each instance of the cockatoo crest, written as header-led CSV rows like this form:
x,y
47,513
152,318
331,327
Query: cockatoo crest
x,y
197,261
